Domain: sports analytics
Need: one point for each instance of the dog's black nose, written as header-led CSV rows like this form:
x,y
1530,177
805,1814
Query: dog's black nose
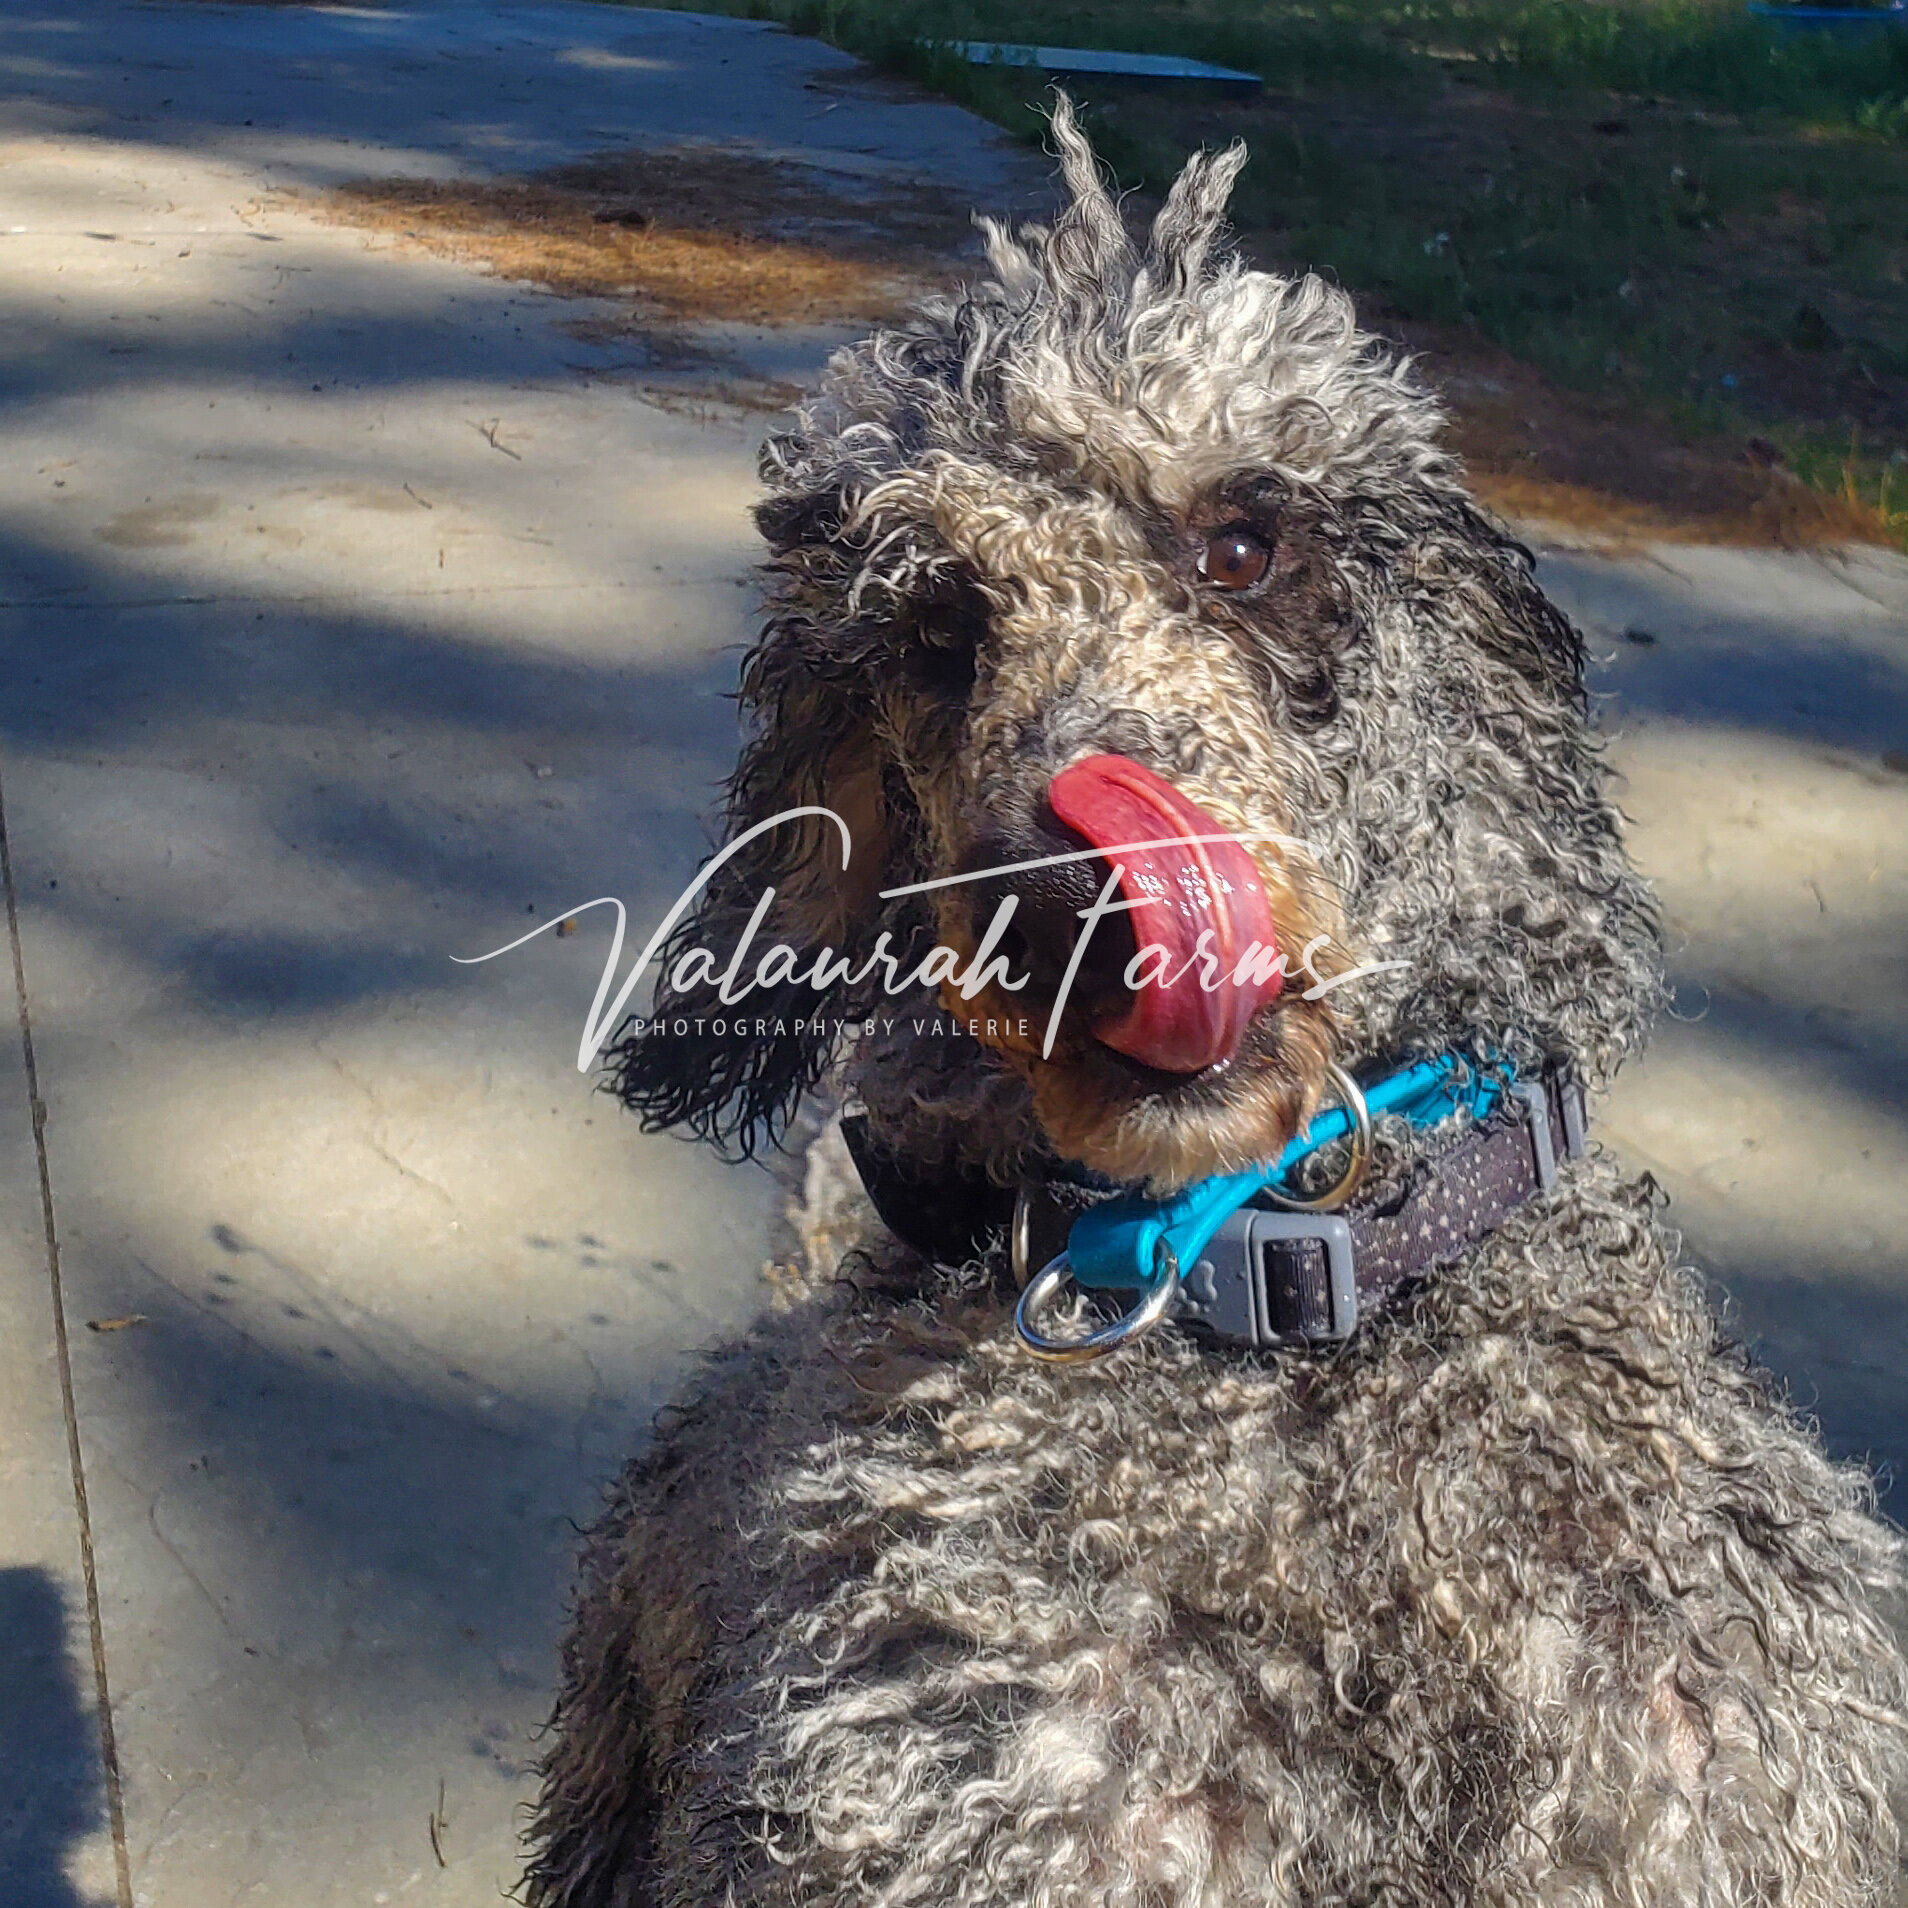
x,y
1054,876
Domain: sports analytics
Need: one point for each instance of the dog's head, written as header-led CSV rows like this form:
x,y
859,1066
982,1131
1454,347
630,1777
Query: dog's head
x,y
1117,550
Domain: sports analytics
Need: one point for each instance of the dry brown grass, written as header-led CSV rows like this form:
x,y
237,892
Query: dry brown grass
x,y
687,235
1610,473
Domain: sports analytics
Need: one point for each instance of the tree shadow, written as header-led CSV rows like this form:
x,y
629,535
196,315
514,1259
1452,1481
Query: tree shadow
x,y
1808,658
388,1539
51,1794
263,811
383,779
332,92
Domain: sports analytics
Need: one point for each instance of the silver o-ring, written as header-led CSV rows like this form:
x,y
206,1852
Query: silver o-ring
x,y
1020,1239
1354,1174
1096,1344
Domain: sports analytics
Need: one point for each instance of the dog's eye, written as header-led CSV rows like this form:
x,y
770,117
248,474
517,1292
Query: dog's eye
x,y
1235,558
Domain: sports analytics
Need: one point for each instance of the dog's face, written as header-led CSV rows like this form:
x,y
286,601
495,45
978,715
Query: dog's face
x,y
1130,619
1090,663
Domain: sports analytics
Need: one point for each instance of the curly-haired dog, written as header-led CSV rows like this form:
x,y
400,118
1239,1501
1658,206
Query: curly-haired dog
x,y
1527,1592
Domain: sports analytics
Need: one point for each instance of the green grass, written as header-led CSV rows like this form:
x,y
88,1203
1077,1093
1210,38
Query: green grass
x,y
1687,50
1844,468
1667,200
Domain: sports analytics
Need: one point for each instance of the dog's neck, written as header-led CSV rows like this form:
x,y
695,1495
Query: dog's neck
x,y
1451,1151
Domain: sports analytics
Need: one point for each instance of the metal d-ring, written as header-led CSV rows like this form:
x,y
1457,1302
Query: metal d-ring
x,y
1354,1174
1096,1344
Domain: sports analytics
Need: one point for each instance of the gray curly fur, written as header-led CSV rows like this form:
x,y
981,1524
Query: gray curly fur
x,y
1533,1593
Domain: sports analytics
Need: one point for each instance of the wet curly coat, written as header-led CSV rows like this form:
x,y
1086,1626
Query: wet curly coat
x,y
1532,1593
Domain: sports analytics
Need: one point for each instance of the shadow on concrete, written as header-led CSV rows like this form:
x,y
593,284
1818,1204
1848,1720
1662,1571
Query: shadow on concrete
x,y
389,1539
1839,1346
346,800
321,94
1772,681
1859,1049
1797,654
387,776
51,1794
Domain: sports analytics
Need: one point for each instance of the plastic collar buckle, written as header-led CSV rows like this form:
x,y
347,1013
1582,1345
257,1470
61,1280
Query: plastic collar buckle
x,y
1228,1292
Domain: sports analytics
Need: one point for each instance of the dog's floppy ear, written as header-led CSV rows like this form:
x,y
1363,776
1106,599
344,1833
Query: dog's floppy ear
x,y
1555,938
732,1071
1487,587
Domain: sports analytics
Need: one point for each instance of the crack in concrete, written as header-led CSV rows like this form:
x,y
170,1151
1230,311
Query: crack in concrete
x,y
377,1144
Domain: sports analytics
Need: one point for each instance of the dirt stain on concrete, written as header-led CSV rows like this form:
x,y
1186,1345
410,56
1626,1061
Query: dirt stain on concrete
x,y
170,523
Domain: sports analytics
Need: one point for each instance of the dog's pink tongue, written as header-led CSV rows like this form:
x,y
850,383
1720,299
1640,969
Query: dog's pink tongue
x,y
1203,887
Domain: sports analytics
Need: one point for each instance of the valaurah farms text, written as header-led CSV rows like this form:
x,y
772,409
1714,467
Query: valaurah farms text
x,y
734,978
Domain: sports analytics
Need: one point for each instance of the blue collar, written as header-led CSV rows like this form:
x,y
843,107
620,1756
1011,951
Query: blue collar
x,y
1115,1245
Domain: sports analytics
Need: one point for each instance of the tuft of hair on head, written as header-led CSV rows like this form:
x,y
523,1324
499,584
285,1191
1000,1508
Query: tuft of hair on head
x,y
1087,254
1191,225
1084,268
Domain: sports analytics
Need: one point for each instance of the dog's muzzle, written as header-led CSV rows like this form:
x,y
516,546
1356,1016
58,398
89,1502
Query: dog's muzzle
x,y
1142,911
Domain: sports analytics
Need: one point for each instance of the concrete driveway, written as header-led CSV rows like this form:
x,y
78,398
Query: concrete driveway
x,y
354,615
1757,704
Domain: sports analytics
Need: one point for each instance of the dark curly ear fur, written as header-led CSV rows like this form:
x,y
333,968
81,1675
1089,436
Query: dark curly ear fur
x,y
1549,941
1524,627
810,745
733,1091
